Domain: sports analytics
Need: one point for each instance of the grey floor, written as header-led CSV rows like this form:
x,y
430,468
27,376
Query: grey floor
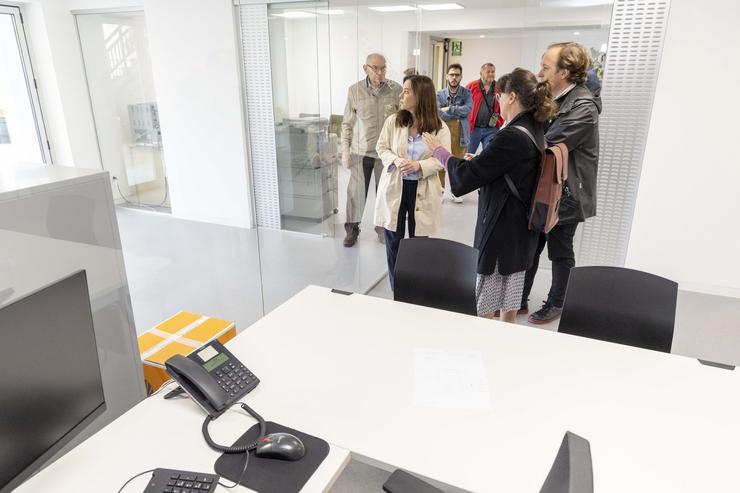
x,y
174,264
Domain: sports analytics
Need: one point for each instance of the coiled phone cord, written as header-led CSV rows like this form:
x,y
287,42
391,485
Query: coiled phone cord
x,y
242,448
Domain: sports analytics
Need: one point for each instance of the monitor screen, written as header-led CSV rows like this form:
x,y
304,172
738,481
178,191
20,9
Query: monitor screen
x,y
50,383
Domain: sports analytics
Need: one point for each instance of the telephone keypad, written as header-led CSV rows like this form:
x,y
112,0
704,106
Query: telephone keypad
x,y
233,378
173,481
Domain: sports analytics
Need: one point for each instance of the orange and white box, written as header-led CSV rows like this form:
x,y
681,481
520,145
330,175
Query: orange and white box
x,y
181,334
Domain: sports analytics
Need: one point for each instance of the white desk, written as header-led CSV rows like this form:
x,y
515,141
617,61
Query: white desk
x,y
656,422
159,433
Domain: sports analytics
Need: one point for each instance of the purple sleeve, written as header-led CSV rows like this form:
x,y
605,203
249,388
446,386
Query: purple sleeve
x,y
442,154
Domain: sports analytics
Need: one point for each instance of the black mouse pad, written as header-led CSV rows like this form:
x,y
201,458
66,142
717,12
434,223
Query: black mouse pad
x,y
273,475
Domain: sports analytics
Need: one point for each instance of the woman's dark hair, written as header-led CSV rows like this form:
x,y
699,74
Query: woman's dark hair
x,y
426,114
534,96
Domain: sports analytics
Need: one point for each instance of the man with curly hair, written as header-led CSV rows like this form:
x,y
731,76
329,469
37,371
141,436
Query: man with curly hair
x,y
576,123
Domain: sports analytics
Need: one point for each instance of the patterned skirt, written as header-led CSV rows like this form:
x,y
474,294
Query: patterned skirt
x,y
498,292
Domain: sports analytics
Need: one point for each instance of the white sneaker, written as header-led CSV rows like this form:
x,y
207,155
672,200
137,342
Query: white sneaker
x,y
457,200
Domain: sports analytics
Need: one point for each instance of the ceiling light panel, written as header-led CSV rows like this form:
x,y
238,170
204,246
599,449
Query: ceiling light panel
x,y
441,6
296,14
393,8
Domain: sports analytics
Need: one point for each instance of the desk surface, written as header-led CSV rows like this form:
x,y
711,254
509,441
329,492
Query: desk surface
x,y
656,422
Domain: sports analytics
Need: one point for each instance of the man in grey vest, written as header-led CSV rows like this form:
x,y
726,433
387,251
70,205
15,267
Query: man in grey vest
x,y
369,103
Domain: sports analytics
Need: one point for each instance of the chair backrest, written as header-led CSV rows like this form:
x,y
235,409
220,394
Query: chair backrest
x,y
620,305
572,470
402,482
436,273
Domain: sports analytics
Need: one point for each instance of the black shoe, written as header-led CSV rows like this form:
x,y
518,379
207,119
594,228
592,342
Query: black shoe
x,y
546,314
353,231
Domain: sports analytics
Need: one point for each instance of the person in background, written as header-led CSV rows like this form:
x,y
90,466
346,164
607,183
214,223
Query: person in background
x,y
410,191
485,118
592,82
409,72
455,103
505,244
565,66
369,103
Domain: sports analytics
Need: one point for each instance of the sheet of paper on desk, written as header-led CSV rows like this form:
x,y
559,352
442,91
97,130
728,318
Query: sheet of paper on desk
x,y
450,380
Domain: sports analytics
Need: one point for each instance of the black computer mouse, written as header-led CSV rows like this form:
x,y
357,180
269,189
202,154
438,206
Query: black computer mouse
x,y
283,446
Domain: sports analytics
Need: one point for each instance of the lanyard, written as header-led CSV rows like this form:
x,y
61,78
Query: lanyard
x,y
485,99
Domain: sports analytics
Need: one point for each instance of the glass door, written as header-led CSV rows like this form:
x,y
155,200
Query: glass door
x,y
22,135
115,49
306,132
314,212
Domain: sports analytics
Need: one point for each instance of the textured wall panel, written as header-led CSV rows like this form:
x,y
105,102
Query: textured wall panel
x,y
631,73
255,43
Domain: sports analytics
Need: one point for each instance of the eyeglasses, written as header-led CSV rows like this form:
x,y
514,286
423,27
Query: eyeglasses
x,y
454,75
377,70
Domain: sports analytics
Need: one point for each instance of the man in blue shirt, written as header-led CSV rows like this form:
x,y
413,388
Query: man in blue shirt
x,y
455,103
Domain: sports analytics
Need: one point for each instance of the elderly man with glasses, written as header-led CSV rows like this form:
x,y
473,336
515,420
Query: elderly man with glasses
x,y
369,102
455,103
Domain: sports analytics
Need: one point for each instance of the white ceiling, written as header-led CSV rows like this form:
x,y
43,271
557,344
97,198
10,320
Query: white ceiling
x,y
521,32
479,4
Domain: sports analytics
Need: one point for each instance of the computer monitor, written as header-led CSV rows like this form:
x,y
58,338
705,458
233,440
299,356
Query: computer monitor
x,y
50,383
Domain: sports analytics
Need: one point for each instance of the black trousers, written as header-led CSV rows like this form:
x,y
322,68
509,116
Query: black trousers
x,y
393,238
560,252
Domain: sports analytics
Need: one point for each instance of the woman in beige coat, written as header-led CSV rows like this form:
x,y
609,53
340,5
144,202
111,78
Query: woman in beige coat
x,y
409,188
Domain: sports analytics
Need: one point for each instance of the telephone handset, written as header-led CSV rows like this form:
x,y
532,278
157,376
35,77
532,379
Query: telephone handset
x,y
212,376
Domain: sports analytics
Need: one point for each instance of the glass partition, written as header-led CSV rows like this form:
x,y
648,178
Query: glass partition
x,y
308,203
115,50
305,141
318,53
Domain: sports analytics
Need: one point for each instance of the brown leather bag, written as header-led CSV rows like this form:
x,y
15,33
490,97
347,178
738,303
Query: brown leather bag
x,y
543,214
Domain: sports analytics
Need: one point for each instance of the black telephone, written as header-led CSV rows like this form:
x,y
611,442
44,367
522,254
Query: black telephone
x,y
212,376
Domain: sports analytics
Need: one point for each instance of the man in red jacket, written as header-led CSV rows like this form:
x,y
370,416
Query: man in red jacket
x,y
485,119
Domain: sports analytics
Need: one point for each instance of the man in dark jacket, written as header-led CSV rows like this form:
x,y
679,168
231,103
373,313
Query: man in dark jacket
x,y
565,66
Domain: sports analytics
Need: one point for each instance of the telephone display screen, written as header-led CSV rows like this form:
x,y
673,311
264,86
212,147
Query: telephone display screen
x,y
211,364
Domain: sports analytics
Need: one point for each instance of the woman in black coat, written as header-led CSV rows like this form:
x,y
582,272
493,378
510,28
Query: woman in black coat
x,y
506,245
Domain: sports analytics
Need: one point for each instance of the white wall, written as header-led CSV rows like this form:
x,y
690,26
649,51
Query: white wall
x,y
686,216
519,49
194,62
504,52
196,78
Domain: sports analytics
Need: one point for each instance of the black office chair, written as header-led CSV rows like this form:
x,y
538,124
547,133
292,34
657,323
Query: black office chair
x,y
436,273
403,482
572,470
620,305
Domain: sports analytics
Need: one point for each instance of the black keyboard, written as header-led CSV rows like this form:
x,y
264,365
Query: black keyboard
x,y
235,378
174,481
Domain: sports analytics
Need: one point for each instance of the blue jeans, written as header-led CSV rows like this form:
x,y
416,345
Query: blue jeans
x,y
481,135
